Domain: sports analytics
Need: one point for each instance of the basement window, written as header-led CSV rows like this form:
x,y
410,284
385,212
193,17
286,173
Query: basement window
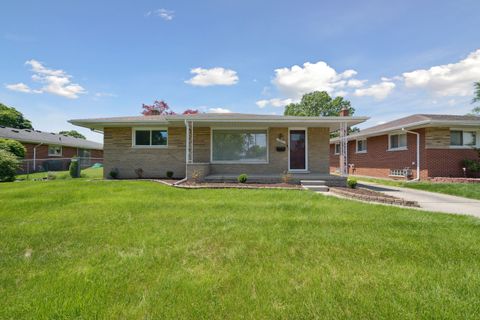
x,y
154,138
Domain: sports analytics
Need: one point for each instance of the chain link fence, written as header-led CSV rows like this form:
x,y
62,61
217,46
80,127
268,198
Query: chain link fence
x,y
58,164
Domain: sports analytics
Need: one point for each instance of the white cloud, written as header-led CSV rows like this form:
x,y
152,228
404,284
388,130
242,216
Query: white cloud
x,y
165,14
355,83
213,77
20,87
219,110
54,81
276,102
105,95
297,80
379,91
453,79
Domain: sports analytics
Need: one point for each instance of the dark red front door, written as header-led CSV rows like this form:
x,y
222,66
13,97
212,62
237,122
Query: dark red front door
x,y
297,150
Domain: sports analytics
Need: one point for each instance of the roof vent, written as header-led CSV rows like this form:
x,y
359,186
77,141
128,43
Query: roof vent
x,y
2,126
28,130
38,131
15,131
52,133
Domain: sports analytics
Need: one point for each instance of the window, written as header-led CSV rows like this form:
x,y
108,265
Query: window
x,y
397,142
362,146
463,138
54,151
150,138
337,148
84,153
243,146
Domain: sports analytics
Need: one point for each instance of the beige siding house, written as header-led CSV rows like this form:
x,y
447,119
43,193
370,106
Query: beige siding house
x,y
218,146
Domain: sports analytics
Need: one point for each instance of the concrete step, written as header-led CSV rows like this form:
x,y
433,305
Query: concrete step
x,y
313,182
317,188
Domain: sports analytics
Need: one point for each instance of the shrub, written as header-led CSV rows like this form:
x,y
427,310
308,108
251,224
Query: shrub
x,y
286,177
139,173
352,183
169,174
196,174
74,169
9,165
114,173
472,165
242,178
13,146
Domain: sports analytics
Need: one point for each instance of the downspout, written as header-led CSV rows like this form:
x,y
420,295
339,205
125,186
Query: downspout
x,y
418,152
186,154
35,156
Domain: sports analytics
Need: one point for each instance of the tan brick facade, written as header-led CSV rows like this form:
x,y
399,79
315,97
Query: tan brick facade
x,y
154,162
437,159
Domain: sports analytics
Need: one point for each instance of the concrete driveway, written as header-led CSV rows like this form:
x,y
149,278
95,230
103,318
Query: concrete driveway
x,y
430,201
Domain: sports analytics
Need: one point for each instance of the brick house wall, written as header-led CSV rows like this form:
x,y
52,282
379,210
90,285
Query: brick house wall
x,y
155,162
437,159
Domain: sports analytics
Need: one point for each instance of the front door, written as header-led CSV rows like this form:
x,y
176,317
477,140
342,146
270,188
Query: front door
x,y
297,150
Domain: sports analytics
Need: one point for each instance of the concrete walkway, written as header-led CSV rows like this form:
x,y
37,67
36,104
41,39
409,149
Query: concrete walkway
x,y
430,201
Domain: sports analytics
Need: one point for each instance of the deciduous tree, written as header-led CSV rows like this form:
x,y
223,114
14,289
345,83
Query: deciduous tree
x,y
11,117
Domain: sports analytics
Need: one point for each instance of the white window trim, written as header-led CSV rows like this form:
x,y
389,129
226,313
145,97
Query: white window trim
x,y
399,148
306,150
356,146
477,145
55,155
235,161
335,149
135,129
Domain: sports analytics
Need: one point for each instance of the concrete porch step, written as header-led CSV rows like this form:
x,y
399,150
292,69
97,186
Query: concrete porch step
x,y
313,182
317,188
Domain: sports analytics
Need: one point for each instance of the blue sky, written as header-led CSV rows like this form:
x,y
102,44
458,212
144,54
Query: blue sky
x,y
78,59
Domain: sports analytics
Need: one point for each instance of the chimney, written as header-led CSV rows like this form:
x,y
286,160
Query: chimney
x,y
344,112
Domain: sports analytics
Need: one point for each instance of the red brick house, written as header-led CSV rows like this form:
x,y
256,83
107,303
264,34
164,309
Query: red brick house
x,y
390,150
52,151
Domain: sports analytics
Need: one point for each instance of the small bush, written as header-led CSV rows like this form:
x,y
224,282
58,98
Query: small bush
x,y
286,177
352,183
74,169
114,173
8,165
13,146
139,173
169,174
242,178
196,175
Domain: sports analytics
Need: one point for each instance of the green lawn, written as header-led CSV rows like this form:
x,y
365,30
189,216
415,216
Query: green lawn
x,y
468,190
90,173
141,250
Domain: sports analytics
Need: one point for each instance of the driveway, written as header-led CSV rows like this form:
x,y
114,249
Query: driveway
x,y
430,201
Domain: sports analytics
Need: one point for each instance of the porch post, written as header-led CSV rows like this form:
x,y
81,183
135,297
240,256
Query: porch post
x,y
343,149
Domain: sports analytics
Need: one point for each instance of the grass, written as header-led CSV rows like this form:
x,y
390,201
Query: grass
x,y
141,250
90,173
467,190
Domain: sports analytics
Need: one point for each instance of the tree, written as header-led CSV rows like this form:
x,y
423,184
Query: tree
x,y
318,104
160,107
73,133
13,146
10,117
8,165
476,98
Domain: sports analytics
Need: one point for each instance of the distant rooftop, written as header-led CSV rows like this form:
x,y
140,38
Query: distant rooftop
x,y
37,136
418,121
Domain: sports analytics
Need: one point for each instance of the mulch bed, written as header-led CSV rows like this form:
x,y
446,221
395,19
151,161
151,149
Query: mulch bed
x,y
454,180
372,196
224,185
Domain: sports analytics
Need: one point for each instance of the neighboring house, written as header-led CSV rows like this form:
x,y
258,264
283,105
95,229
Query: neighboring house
x,y
218,146
52,151
390,149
